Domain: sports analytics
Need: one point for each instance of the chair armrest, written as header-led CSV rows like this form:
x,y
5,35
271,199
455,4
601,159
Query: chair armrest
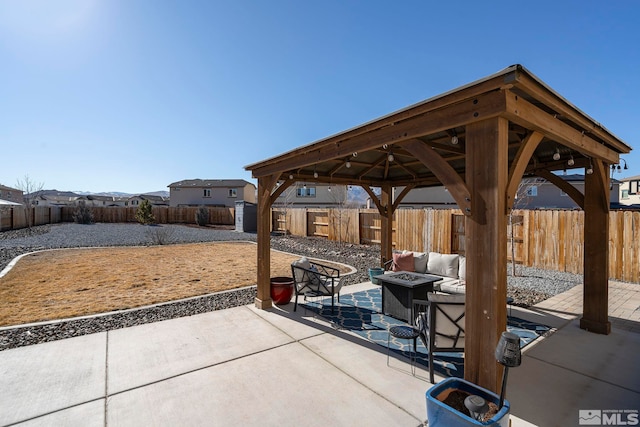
x,y
388,265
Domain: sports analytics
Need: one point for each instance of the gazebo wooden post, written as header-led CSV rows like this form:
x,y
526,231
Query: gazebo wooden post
x,y
265,185
595,316
486,249
386,226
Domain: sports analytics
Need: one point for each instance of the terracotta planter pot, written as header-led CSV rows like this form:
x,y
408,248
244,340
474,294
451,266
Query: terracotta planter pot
x,y
281,290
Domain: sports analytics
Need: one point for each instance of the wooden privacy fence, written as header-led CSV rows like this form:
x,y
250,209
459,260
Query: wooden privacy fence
x,y
14,217
163,214
549,239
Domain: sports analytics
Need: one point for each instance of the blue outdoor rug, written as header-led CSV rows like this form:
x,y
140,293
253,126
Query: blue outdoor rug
x,y
360,313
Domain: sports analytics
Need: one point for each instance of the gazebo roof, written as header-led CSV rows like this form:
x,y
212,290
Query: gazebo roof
x,y
361,155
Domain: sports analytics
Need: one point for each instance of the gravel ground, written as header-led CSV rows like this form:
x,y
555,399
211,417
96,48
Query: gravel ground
x,y
529,287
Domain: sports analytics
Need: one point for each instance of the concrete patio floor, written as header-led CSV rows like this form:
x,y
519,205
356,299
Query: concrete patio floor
x,y
244,366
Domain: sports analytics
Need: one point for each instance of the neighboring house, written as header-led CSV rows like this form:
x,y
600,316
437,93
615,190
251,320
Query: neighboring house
x,y
155,200
11,194
425,198
211,192
55,198
98,201
316,195
538,193
630,190
534,193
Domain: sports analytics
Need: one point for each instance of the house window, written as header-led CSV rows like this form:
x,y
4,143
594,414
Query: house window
x,y
306,192
207,192
625,194
633,187
233,192
532,191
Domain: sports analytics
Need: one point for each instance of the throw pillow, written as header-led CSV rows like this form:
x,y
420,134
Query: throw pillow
x,y
420,262
403,262
462,268
443,264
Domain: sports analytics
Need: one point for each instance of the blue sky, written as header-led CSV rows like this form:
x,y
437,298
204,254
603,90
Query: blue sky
x,y
132,95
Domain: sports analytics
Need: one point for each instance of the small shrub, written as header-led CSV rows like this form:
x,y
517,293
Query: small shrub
x,y
202,216
83,214
144,213
160,235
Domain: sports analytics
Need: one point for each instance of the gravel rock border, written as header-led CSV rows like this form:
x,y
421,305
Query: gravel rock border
x,y
528,288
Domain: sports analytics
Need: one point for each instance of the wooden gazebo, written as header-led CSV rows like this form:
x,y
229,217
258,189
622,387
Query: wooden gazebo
x,y
478,141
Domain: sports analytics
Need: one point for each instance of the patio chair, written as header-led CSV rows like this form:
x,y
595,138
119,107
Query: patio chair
x,y
440,320
314,279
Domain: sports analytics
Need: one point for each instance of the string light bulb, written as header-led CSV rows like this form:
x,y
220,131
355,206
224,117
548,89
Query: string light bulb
x,y
348,164
556,155
390,157
455,140
570,162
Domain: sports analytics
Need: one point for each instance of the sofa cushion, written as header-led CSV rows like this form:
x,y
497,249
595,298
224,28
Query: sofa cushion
x,y
443,264
403,262
452,286
462,268
420,262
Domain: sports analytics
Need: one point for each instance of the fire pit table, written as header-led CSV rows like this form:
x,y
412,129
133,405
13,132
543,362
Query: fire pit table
x,y
399,289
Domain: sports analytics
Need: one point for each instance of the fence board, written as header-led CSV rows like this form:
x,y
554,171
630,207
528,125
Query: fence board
x,y
410,229
370,227
318,223
457,234
5,218
631,258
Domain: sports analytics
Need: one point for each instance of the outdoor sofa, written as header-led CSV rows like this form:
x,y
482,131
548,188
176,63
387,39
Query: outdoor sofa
x,y
451,267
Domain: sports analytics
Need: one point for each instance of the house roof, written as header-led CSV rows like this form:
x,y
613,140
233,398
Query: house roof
x,y
4,187
150,197
210,183
7,202
630,178
104,198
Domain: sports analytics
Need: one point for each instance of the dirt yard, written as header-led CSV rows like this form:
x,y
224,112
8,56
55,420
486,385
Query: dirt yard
x,y
76,282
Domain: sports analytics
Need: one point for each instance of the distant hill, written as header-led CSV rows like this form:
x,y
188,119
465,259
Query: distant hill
x,y
58,193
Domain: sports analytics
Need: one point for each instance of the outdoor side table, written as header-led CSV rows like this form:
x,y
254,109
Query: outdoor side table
x,y
405,333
